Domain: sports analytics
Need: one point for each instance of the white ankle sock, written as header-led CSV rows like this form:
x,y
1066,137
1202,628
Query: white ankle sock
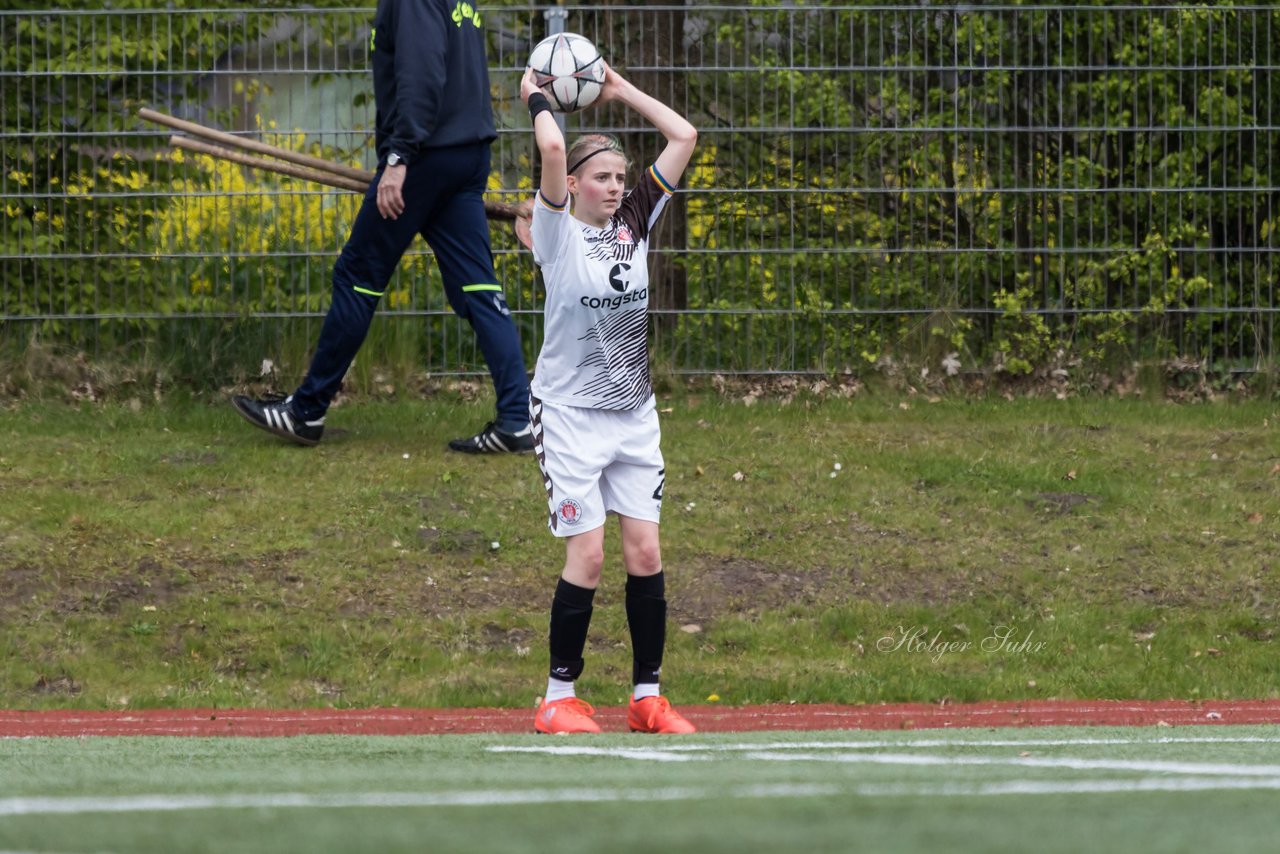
x,y
647,689
558,689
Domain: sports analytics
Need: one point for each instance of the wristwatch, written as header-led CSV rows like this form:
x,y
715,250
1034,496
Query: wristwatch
x,y
394,159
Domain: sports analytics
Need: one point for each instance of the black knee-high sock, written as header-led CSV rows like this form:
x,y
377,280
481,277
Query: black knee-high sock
x,y
570,619
647,619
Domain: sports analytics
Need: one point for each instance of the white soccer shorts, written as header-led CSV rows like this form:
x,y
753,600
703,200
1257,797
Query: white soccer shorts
x,y
598,461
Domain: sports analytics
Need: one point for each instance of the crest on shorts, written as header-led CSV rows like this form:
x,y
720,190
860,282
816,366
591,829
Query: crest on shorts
x,y
569,511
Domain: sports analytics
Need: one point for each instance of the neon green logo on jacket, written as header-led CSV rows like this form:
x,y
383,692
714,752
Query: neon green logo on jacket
x,y
466,12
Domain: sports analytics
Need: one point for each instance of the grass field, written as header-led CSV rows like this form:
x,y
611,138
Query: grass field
x,y
1058,789
964,549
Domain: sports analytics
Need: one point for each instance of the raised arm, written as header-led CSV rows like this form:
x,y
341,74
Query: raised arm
x,y
680,135
551,146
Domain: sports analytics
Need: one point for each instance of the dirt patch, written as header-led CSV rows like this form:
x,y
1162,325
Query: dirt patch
x,y
427,589
443,504
238,661
56,686
743,588
149,581
18,584
279,568
495,638
896,585
481,590
735,587
441,542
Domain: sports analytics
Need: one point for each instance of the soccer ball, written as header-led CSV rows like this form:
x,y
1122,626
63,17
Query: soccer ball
x,y
569,70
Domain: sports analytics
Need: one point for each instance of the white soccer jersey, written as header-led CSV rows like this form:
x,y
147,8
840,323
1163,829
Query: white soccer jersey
x,y
595,350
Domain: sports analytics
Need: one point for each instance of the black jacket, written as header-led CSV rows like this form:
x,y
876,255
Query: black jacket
x,y
430,76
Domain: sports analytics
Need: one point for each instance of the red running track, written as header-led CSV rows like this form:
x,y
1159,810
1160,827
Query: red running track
x,y
278,722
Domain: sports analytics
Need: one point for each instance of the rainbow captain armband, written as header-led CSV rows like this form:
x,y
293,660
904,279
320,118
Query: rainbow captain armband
x,y
661,182
546,203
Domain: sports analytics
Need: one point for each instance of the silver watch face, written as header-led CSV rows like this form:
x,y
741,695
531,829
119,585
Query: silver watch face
x,y
394,159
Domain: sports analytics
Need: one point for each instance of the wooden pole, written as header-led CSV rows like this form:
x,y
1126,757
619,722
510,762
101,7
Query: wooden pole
x,y
316,175
229,140
304,166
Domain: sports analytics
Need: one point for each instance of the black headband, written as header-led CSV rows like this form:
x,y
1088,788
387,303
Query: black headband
x,y
575,166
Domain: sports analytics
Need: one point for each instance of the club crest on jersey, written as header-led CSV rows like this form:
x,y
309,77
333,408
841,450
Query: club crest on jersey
x,y
569,511
619,277
624,235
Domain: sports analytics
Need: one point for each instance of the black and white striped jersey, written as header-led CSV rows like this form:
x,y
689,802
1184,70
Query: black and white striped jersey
x,y
595,341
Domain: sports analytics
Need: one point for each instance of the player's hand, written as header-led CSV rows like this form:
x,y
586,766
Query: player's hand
x,y
528,85
614,87
391,191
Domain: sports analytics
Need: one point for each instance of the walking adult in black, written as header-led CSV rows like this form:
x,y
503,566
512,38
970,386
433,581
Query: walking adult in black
x,y
434,129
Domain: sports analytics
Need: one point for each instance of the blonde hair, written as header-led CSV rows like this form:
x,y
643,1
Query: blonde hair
x,y
589,145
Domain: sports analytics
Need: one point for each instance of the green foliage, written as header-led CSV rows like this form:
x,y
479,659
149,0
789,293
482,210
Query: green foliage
x,y
1030,171
162,250
1022,187
74,235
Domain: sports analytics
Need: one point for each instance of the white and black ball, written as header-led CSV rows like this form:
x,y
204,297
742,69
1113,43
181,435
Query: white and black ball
x,y
568,68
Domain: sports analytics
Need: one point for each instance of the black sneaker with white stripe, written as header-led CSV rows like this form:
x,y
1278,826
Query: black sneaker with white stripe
x,y
492,439
277,416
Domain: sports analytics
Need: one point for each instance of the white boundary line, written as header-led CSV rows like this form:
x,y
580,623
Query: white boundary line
x,y
505,797
1174,777
478,797
671,752
874,752
1067,787
1075,764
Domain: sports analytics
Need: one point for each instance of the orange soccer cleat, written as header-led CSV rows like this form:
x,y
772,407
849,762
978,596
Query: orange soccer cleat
x,y
560,717
654,714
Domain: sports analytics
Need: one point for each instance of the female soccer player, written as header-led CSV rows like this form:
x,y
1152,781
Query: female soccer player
x,y
591,403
